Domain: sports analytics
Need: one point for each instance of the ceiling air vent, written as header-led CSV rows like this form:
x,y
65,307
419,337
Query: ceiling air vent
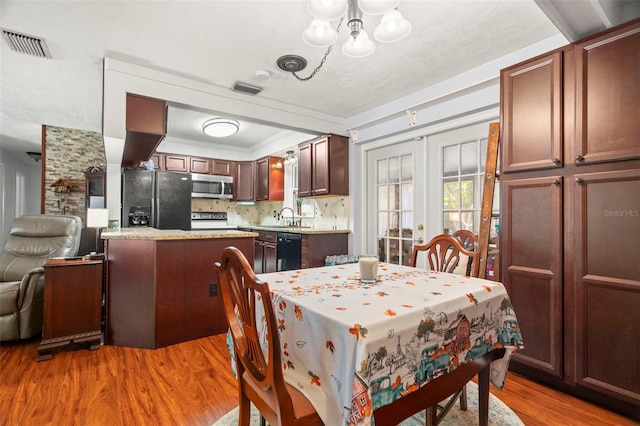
x,y
239,86
23,43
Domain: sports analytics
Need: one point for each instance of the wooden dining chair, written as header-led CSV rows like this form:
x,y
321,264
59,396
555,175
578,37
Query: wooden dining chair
x,y
467,238
444,254
260,377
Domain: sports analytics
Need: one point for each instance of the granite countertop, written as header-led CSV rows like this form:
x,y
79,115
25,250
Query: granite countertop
x,y
295,229
147,233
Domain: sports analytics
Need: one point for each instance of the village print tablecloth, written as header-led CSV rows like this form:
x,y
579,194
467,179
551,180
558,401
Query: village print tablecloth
x,y
351,347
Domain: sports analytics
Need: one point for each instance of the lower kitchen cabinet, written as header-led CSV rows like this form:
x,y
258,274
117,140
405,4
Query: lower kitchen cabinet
x,y
265,257
316,247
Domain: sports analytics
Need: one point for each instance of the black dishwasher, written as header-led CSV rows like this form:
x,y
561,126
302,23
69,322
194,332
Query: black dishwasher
x,y
289,251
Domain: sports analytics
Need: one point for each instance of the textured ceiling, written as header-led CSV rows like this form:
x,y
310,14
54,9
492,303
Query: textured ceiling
x,y
221,42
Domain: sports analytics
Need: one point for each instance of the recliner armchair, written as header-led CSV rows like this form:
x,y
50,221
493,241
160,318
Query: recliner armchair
x,y
32,240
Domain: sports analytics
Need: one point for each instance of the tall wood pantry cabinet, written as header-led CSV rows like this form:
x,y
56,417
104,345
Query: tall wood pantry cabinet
x,y
570,215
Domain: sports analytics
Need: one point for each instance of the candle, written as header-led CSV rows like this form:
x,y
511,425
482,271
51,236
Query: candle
x,y
368,268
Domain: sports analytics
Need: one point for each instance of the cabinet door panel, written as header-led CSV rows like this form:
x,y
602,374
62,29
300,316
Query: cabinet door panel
x,y
608,97
221,167
304,171
176,163
531,249
320,167
607,282
199,165
245,181
532,114
262,179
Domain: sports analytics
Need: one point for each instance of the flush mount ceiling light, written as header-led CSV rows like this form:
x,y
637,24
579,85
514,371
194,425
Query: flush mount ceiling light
x,y
220,127
393,27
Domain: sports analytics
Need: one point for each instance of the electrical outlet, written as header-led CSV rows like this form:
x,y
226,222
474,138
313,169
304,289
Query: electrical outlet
x,y
213,289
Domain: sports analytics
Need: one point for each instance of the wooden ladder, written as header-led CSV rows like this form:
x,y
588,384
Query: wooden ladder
x,y
487,196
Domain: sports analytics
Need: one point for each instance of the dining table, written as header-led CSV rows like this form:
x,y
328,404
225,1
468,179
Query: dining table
x,y
352,347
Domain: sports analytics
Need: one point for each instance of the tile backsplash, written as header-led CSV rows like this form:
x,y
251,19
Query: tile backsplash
x,y
328,212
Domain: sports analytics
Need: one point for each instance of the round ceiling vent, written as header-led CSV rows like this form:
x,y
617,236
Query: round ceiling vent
x,y
292,63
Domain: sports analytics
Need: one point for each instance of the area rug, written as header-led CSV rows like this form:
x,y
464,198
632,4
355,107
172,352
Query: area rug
x,y
499,414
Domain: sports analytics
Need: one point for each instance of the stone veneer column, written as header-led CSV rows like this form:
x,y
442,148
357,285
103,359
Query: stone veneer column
x,y
68,153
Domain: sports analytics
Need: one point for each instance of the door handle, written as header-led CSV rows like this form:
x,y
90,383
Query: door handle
x,y
419,240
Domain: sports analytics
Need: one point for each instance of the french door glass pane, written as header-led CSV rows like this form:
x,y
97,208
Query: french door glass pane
x,y
383,197
451,194
394,197
407,168
383,223
469,158
483,153
467,192
394,170
383,172
467,221
450,160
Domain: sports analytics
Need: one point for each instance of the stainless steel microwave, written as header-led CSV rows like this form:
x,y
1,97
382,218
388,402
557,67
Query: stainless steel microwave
x,y
211,186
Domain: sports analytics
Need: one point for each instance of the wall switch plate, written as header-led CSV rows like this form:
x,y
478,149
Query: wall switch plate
x,y
213,289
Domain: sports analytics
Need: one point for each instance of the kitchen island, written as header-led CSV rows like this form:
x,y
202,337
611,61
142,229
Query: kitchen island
x,y
161,287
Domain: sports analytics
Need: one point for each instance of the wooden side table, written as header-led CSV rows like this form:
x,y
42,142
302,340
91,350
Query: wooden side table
x,y
72,304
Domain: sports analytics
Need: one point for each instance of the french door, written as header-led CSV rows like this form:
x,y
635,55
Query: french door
x,y
420,188
395,213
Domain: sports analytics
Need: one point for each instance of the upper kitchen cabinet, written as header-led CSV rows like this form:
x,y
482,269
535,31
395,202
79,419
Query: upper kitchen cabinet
x,y
176,163
245,181
158,160
199,165
532,114
146,124
607,93
270,179
323,166
221,167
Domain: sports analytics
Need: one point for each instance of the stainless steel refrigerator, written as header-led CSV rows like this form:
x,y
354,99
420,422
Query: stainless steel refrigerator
x,y
157,198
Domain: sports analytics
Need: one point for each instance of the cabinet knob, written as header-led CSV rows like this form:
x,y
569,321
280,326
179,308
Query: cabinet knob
x,y
578,180
556,161
579,158
556,182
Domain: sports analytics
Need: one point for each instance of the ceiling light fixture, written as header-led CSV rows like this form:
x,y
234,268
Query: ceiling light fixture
x,y
220,127
290,159
393,27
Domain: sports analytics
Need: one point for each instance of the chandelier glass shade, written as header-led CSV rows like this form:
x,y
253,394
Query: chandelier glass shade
x,y
327,10
393,27
377,7
220,127
320,33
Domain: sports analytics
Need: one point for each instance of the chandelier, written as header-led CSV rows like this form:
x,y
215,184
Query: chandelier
x,y
320,33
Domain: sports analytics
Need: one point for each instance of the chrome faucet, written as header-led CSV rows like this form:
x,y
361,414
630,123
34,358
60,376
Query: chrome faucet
x,y
293,215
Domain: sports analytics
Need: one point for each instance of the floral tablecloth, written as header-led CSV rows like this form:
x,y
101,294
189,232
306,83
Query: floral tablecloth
x,y
351,347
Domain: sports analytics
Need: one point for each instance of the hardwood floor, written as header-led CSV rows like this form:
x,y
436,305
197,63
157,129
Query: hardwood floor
x,y
189,384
